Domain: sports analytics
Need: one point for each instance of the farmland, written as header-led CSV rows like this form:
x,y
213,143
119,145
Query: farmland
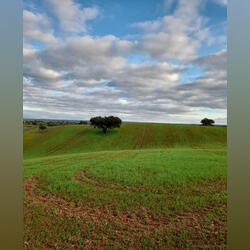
x,y
143,186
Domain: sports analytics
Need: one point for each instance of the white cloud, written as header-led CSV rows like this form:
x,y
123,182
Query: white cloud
x,y
176,36
215,62
36,26
71,15
85,76
94,72
209,90
221,2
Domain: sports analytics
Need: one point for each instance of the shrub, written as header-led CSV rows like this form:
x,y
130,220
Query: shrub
x,y
42,127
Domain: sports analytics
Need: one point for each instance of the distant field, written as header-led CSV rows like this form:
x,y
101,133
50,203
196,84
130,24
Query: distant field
x,y
82,138
144,186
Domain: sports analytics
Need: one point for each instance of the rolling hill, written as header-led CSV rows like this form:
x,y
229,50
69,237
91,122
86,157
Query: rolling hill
x,y
83,138
143,186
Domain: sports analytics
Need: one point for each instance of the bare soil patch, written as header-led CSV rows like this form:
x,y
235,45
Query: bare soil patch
x,y
140,220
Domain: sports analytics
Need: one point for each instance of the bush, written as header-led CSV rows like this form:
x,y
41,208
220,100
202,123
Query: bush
x,y
42,127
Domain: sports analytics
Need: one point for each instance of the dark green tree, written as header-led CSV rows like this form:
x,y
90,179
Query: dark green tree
x,y
207,122
105,123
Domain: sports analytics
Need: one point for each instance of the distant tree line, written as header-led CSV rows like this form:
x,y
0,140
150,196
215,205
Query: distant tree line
x,y
42,125
83,122
104,123
52,123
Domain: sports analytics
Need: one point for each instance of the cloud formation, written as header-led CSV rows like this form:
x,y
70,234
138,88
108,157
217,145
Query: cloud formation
x,y
72,16
85,75
36,26
176,36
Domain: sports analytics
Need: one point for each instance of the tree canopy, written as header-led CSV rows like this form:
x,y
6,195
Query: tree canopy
x,y
207,122
105,123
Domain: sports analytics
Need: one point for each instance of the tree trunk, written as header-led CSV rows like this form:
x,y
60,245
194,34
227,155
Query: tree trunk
x,y
104,129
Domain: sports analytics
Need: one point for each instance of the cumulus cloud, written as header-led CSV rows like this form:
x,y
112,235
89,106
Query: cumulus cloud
x,y
177,36
85,75
71,15
36,26
87,58
98,76
215,62
209,90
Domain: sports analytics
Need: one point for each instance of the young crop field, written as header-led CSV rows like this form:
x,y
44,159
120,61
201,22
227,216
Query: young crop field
x,y
143,186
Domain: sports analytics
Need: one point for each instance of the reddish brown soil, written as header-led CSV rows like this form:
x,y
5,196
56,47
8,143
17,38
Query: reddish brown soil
x,y
140,219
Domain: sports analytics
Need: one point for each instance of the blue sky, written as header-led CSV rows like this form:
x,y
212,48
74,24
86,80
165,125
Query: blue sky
x,y
161,61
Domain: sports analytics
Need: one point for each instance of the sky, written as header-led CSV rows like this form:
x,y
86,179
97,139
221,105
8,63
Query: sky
x,y
145,61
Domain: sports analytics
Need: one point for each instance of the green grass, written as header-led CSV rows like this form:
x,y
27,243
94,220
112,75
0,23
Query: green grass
x,y
145,186
82,138
131,178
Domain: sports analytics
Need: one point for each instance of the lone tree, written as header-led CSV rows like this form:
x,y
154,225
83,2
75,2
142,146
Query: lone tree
x,y
105,123
207,122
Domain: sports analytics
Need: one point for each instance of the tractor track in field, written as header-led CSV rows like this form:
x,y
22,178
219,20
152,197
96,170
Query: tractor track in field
x,y
66,143
139,139
200,188
84,178
139,220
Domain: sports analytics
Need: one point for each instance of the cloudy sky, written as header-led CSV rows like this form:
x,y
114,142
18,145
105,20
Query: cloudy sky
x,y
154,60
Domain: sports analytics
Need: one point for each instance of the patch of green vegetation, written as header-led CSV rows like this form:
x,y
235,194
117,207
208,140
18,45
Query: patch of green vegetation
x,y
56,232
83,138
161,167
132,178
143,186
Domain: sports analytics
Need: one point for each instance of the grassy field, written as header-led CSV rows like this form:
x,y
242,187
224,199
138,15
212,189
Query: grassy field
x,y
144,186
82,138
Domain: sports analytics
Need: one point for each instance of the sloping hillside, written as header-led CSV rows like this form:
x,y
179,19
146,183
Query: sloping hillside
x,y
83,138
